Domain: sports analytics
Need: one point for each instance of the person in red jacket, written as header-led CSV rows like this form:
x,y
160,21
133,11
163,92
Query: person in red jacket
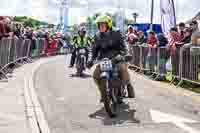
x,y
181,30
152,43
174,40
173,47
5,30
52,45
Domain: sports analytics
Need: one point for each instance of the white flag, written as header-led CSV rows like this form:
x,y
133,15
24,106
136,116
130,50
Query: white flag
x,y
120,20
65,12
168,18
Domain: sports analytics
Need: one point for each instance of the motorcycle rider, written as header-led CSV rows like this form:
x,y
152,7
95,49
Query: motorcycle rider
x,y
108,43
80,41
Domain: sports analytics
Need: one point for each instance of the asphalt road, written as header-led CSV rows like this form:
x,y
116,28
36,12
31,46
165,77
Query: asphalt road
x,y
71,105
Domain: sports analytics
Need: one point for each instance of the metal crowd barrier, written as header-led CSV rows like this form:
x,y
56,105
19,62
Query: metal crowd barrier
x,y
185,62
19,51
190,64
139,54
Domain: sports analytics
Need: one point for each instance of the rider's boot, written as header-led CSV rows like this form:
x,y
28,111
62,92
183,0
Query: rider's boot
x,y
130,89
119,98
99,88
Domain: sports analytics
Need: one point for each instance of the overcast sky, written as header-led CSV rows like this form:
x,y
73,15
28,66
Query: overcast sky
x,y
48,10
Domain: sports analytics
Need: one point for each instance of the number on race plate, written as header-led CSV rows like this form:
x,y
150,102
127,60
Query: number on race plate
x,y
82,51
106,65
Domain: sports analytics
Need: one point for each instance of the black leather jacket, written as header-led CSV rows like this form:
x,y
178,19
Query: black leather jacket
x,y
108,45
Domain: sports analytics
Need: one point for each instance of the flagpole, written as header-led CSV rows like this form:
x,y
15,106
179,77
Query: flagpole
x,y
174,12
152,13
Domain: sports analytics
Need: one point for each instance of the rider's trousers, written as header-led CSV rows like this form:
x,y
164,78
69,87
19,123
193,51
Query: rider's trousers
x,y
73,57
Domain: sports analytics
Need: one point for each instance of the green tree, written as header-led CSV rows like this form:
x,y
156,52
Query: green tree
x,y
27,21
20,19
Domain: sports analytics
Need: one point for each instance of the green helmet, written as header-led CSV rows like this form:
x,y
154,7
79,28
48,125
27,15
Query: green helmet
x,y
104,19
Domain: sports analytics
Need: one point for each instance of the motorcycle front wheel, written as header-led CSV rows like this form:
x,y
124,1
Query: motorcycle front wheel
x,y
80,66
110,103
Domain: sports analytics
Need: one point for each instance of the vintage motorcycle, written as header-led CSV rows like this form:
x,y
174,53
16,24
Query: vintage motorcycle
x,y
113,89
81,61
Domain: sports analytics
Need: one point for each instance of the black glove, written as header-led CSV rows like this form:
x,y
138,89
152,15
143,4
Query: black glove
x,y
118,59
90,64
128,57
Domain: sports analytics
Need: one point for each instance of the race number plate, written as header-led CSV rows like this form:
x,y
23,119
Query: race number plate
x,y
82,51
106,65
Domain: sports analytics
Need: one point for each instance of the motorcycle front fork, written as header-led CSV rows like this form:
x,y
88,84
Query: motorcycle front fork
x,y
111,92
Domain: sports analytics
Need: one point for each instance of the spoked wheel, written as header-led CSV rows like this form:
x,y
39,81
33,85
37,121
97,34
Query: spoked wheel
x,y
110,106
80,67
110,103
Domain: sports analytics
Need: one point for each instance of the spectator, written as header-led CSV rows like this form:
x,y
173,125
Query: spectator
x,y
195,39
163,56
1,27
174,48
142,42
8,26
152,40
130,29
194,26
141,37
28,33
60,42
18,30
39,34
162,40
152,43
187,36
5,30
52,45
132,35
174,39
182,30
198,39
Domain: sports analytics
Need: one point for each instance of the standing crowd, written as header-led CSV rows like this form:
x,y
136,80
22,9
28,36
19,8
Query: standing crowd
x,y
16,30
180,36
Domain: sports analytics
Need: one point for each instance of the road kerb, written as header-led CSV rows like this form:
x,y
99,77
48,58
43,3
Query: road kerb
x,y
35,115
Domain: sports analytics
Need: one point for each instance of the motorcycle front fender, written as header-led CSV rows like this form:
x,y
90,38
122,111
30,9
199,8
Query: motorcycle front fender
x,y
105,75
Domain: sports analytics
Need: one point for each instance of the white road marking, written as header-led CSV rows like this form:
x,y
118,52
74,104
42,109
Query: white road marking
x,y
33,108
160,117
